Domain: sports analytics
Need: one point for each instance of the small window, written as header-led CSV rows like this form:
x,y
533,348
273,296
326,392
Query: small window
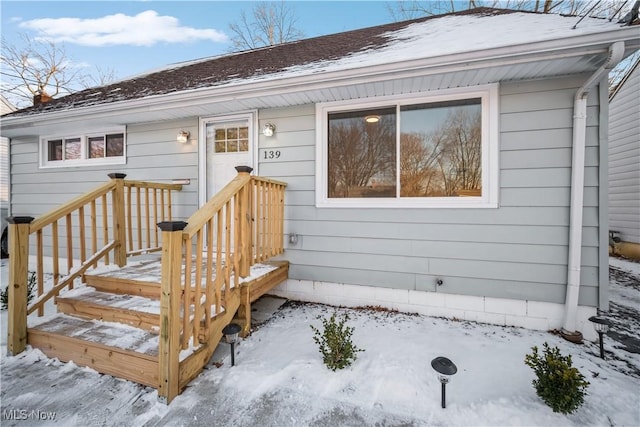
x,y
55,150
420,151
229,137
96,148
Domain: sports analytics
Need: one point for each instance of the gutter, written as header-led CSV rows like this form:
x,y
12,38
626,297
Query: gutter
x,y
616,52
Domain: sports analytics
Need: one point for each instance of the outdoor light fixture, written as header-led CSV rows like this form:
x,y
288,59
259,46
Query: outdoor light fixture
x,y
445,368
372,118
601,325
183,136
231,332
268,129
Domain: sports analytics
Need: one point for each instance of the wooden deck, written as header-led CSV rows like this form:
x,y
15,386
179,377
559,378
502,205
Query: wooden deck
x,y
112,324
177,302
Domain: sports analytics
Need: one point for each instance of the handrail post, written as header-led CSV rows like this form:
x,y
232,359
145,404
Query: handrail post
x,y
119,232
243,227
170,294
19,229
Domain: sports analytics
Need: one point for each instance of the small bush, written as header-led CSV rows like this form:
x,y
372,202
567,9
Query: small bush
x,y
561,386
334,342
31,287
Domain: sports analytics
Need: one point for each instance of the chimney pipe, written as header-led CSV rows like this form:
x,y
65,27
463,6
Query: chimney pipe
x,y
41,98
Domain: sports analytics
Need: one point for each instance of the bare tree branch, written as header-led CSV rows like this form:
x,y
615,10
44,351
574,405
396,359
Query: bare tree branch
x,y
402,10
102,76
43,67
270,23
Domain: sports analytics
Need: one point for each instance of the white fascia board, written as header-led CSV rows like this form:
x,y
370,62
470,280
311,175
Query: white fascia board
x,y
583,45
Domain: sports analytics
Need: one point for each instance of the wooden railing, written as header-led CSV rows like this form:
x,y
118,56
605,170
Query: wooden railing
x,y
203,259
239,226
89,230
147,204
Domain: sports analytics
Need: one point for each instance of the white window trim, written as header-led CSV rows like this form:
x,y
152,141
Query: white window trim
x,y
83,161
490,147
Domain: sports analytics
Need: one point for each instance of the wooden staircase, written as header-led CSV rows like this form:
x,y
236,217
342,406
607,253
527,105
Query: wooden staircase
x,y
155,320
112,324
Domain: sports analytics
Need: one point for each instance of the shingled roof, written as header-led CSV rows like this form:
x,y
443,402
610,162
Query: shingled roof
x,y
467,33
218,70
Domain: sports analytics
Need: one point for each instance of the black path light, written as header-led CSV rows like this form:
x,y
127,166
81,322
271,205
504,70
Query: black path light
x,y
445,368
601,325
231,332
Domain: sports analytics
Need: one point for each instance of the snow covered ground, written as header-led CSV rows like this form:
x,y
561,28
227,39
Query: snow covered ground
x,y
280,380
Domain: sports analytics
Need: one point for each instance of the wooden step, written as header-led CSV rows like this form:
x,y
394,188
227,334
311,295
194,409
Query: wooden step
x,y
268,276
142,278
133,310
139,278
119,350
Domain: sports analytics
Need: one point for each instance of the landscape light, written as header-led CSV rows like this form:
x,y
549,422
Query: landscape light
x,y
601,325
231,332
445,369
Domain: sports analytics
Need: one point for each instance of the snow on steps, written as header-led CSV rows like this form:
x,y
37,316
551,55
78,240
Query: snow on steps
x,y
133,310
110,348
112,324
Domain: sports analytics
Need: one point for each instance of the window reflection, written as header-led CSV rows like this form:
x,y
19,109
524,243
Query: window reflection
x,y
440,149
72,148
115,145
55,149
362,154
96,147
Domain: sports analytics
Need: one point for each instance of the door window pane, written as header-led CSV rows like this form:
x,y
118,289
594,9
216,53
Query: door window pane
x,y
229,137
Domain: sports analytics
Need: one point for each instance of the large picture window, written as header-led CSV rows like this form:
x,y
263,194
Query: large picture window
x,y
438,151
88,149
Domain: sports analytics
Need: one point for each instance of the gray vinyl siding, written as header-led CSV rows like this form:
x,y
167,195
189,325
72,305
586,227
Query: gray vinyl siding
x,y
152,152
624,159
4,173
518,250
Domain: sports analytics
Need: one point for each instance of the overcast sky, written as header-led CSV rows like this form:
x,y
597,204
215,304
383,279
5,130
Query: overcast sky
x,y
131,37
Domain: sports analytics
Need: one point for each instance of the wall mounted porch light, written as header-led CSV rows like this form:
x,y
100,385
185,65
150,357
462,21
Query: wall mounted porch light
x,y
268,129
183,136
445,369
230,333
601,325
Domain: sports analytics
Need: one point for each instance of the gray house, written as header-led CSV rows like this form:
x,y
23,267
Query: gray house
x,y
5,107
448,165
624,162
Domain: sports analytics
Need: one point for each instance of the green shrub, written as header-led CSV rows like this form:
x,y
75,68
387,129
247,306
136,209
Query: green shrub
x,y
31,287
334,342
561,386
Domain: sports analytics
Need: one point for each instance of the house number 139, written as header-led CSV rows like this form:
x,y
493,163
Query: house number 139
x,y
271,154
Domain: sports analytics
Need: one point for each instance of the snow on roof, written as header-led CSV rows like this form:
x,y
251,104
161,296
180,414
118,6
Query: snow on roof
x,y
429,37
454,34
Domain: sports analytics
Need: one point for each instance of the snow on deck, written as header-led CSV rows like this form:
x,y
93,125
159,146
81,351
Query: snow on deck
x,y
119,301
150,270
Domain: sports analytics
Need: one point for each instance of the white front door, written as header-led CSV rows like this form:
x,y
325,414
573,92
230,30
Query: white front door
x,y
228,142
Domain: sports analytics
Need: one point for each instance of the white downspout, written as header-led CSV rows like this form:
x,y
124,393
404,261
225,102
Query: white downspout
x,y
616,52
